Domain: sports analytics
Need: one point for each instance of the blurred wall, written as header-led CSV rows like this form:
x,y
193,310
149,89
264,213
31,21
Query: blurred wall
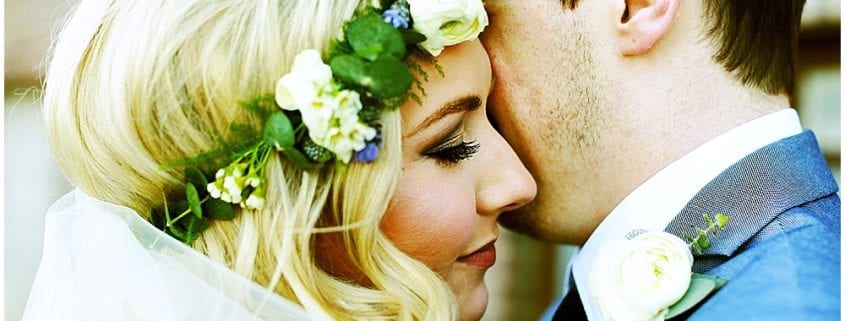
x,y
528,274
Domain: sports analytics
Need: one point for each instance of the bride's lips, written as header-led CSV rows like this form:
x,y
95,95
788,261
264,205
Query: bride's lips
x,y
483,258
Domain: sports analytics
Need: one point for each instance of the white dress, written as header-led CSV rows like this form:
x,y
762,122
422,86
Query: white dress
x,y
102,261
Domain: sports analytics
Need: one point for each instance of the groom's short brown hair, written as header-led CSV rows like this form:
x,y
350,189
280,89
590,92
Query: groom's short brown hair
x,y
756,39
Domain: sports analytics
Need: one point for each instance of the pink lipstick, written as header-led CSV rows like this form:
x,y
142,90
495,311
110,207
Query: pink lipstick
x,y
483,258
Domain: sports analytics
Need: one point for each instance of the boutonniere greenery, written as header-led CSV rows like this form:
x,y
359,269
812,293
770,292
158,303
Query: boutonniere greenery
x,y
648,276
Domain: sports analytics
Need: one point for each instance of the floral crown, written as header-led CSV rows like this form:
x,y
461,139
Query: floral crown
x,y
322,112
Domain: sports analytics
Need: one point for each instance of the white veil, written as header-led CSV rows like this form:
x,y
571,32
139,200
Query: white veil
x,y
102,261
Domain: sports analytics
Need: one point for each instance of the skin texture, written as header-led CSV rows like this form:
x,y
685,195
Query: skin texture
x,y
598,99
443,210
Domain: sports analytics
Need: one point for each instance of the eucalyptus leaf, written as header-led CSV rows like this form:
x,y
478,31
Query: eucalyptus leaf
x,y
193,199
701,286
278,131
372,38
351,69
390,78
219,210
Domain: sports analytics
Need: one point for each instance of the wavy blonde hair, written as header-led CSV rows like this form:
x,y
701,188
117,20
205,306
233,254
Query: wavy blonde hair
x,y
134,84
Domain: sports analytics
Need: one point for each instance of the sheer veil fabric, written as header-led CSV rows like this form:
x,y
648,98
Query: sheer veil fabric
x,y
102,261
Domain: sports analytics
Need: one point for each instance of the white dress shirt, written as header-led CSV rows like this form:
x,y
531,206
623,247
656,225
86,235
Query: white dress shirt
x,y
654,204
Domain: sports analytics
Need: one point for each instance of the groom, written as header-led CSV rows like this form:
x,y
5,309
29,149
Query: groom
x,y
648,114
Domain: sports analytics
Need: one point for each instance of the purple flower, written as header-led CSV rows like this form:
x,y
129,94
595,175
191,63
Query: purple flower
x,y
368,154
397,16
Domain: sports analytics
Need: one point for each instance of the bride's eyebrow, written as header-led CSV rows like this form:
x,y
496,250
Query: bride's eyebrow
x,y
462,104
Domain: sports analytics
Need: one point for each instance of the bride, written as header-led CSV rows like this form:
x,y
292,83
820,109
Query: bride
x,y
273,160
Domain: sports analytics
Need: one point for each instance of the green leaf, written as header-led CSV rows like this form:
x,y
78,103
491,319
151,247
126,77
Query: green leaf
x,y
412,37
722,220
351,69
340,48
703,242
196,177
278,131
372,38
390,77
195,226
220,210
193,199
701,286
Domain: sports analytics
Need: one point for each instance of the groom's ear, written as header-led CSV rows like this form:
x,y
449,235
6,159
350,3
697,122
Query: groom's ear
x,y
641,23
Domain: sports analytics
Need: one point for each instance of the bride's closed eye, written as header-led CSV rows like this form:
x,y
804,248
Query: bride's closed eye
x,y
453,149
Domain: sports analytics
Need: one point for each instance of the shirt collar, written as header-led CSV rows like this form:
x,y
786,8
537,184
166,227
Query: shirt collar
x,y
654,204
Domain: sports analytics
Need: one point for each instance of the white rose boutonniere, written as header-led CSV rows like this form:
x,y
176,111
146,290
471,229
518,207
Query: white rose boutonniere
x,y
649,276
639,279
447,22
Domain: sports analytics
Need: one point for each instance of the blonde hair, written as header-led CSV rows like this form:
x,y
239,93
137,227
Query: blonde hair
x,y
134,84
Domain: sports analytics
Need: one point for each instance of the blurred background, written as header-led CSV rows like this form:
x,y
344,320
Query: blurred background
x,y
528,274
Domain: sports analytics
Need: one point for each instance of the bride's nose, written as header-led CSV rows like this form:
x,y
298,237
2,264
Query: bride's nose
x,y
504,182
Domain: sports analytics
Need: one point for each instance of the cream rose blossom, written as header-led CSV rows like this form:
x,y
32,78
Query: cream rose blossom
x,y
330,114
447,22
639,279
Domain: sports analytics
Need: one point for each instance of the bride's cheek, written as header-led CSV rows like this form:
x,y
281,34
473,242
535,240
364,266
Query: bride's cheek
x,y
431,222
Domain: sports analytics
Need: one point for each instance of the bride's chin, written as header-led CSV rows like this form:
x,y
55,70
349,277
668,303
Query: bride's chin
x,y
474,303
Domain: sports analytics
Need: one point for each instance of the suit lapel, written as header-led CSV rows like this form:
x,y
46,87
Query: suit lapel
x,y
754,191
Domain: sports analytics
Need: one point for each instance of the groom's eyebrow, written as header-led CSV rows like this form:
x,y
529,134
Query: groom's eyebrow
x,y
463,104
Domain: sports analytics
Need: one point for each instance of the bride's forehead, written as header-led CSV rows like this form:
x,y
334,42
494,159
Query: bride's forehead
x,y
464,71
464,67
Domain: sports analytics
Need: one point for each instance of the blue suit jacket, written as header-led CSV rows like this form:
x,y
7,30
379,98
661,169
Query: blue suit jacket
x,y
780,252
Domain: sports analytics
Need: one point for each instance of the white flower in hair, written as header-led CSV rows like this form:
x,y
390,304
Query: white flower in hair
x,y
255,200
349,134
447,22
330,114
229,183
307,78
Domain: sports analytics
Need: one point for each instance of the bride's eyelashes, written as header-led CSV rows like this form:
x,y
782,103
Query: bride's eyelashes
x,y
452,150
454,154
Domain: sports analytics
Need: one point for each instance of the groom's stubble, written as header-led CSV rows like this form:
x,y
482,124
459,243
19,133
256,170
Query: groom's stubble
x,y
570,128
